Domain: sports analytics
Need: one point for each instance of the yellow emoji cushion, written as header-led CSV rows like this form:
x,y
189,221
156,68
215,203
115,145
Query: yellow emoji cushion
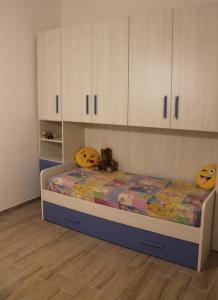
x,y
206,178
87,157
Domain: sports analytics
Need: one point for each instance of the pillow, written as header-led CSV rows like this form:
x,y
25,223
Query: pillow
x,y
87,157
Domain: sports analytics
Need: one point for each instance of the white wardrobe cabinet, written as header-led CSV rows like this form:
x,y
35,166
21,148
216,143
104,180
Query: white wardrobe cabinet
x,y
76,43
174,52
48,61
150,57
195,68
110,71
95,72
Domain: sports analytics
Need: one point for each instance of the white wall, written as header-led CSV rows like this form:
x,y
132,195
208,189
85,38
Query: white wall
x,y
81,11
19,21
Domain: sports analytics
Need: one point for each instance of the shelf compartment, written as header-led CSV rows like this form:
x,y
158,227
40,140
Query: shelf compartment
x,y
51,151
51,140
50,127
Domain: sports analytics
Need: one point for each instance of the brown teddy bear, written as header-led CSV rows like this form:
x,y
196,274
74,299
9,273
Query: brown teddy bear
x,y
106,162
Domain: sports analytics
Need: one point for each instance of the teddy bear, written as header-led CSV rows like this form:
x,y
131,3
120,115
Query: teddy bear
x,y
106,162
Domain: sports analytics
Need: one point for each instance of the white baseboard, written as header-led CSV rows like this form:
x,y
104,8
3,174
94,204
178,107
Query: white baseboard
x,y
20,203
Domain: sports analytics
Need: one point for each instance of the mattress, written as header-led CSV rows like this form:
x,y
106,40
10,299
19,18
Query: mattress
x,y
172,200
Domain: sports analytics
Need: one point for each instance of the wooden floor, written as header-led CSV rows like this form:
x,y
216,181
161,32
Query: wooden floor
x,y
39,260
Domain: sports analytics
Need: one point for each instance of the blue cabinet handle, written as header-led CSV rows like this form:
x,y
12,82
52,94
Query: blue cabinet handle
x,y
177,107
95,104
150,244
72,220
87,104
165,108
57,104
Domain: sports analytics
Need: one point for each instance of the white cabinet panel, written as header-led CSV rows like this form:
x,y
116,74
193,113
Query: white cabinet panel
x,y
195,68
48,60
76,73
110,71
150,70
215,227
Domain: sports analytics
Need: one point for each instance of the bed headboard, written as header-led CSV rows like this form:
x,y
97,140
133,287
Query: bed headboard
x,y
169,153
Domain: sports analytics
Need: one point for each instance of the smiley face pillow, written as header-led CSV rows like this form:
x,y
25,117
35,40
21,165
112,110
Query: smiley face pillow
x,y
87,157
206,178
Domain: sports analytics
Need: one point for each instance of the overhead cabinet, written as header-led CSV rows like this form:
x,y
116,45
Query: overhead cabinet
x,y
186,42
165,62
150,59
110,71
48,61
77,73
195,68
95,72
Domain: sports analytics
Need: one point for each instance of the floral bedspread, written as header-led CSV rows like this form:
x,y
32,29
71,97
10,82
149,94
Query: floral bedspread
x,y
176,201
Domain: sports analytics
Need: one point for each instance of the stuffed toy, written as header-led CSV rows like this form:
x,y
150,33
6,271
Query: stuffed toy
x,y
206,178
87,157
49,135
106,162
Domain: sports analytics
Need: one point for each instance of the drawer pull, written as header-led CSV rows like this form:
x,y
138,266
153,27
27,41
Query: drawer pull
x,y
57,104
177,107
95,104
165,108
146,243
74,221
87,104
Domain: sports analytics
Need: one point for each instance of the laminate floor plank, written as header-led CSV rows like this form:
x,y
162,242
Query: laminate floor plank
x,y
194,293
117,285
17,277
155,288
177,287
138,260
61,295
65,261
105,275
135,289
86,293
213,293
27,287
204,279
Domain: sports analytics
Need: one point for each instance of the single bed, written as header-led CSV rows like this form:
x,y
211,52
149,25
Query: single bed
x,y
161,217
172,200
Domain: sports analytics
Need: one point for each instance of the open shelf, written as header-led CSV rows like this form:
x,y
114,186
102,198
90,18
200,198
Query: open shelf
x,y
68,138
50,127
51,140
51,151
55,159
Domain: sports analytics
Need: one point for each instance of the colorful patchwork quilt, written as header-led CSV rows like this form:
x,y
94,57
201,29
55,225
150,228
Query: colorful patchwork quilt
x,y
176,201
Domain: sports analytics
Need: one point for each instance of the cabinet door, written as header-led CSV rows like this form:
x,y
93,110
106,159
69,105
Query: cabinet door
x,y
195,68
150,70
48,60
110,71
76,73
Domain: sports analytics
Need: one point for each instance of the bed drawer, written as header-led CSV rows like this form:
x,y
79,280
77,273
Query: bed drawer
x,y
172,249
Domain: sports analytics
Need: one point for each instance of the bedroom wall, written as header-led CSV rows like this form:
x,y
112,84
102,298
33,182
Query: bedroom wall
x,y
19,21
81,11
